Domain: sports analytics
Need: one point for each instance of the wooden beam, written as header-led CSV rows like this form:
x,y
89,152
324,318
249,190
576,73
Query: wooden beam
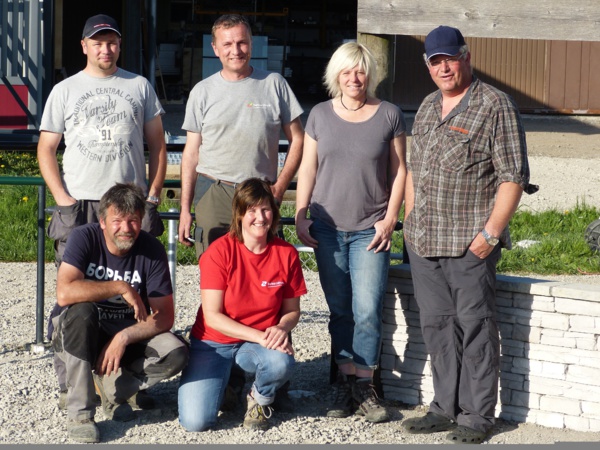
x,y
569,20
383,50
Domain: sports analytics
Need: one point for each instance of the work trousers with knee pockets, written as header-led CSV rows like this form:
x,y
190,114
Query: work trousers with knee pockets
x,y
457,303
79,337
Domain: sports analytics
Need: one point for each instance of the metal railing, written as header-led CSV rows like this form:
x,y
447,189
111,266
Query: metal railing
x,y
172,217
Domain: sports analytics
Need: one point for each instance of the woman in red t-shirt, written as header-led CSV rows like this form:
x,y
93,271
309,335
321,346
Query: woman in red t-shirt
x,y
251,282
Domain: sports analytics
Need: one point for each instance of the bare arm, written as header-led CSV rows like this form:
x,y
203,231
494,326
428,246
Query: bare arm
x,y
385,227
306,183
189,161
294,133
160,321
157,162
507,201
46,153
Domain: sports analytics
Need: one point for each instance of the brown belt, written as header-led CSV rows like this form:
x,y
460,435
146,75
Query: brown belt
x,y
217,181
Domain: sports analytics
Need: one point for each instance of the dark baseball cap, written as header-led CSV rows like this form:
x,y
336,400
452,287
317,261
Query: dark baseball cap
x,y
99,23
443,40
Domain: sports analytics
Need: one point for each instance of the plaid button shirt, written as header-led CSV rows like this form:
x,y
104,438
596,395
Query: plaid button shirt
x,y
457,165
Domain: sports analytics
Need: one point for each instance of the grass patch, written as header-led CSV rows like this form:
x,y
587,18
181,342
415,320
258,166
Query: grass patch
x,y
559,248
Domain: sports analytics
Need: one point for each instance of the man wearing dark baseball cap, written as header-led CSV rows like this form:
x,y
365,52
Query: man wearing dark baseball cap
x,y
467,170
105,114
99,23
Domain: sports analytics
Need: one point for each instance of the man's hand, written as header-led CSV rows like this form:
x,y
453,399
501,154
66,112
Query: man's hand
x,y
185,225
480,248
135,301
277,190
109,360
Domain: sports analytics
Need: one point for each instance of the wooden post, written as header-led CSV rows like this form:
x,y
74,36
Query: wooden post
x,y
382,47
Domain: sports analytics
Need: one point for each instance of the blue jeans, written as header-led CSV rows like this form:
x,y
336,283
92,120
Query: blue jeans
x,y
354,282
204,380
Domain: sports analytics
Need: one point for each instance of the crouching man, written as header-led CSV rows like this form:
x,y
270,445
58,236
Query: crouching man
x,y
114,334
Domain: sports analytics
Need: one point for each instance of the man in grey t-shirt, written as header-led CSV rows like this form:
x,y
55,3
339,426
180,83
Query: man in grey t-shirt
x,y
105,113
233,121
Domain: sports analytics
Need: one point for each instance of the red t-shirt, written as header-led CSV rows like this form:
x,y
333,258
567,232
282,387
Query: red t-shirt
x,y
255,285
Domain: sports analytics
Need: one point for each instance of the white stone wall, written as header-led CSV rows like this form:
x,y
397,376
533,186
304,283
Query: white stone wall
x,y
550,350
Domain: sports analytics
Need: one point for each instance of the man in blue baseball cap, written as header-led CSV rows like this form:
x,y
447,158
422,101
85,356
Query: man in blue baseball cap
x,y
468,168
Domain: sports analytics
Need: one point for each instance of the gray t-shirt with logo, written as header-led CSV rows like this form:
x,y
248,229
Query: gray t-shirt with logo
x,y
240,122
102,120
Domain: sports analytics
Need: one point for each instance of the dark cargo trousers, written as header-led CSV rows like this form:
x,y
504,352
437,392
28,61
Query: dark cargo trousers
x,y
78,338
457,303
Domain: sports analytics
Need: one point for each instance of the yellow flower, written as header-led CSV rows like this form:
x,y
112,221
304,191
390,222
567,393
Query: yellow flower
x,y
532,259
566,212
25,198
2,166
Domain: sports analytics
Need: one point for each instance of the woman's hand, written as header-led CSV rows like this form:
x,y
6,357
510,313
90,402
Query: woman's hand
x,y
382,241
303,232
275,338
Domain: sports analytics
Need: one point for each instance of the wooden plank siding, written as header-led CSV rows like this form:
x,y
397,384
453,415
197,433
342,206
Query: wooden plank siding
x,y
568,20
546,54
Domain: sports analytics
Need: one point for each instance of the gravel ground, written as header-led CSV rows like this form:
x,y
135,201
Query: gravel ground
x,y
28,403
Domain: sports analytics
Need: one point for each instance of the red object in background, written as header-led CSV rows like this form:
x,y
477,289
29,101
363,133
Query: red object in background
x,y
12,115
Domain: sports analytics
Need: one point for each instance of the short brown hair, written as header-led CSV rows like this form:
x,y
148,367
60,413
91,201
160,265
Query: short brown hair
x,y
228,21
125,198
248,193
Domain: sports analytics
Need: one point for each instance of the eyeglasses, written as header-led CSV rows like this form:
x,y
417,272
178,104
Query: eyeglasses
x,y
450,60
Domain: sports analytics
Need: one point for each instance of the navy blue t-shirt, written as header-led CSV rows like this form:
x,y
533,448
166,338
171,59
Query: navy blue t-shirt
x,y
145,267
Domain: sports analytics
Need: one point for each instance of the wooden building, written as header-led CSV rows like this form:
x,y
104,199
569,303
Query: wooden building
x,y
546,54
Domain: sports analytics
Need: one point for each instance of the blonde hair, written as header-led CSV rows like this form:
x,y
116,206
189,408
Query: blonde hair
x,y
347,56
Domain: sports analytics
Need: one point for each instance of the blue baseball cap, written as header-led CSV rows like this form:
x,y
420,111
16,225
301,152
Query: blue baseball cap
x,y
443,40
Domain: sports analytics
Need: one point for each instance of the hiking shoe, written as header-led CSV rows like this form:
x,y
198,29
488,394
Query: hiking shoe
x,y
84,431
343,403
257,416
113,411
429,423
141,400
369,404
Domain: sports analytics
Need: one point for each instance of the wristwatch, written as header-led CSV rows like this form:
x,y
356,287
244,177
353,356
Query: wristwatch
x,y
153,199
491,240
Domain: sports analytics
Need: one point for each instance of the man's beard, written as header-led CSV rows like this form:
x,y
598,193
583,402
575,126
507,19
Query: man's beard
x,y
124,245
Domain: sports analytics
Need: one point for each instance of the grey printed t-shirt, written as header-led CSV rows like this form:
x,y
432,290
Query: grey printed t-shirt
x,y
102,120
352,186
240,122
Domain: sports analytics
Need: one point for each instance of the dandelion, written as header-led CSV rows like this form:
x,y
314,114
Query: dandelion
x,y
2,166
25,199
532,259
566,212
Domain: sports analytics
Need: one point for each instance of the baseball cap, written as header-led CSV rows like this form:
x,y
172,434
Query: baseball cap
x,y
443,40
99,23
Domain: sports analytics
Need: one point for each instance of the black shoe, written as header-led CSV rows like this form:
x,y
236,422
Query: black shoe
x,y
343,403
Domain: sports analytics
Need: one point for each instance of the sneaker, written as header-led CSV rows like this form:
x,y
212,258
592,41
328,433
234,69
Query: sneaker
x,y
257,416
84,431
113,411
141,400
369,404
343,403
